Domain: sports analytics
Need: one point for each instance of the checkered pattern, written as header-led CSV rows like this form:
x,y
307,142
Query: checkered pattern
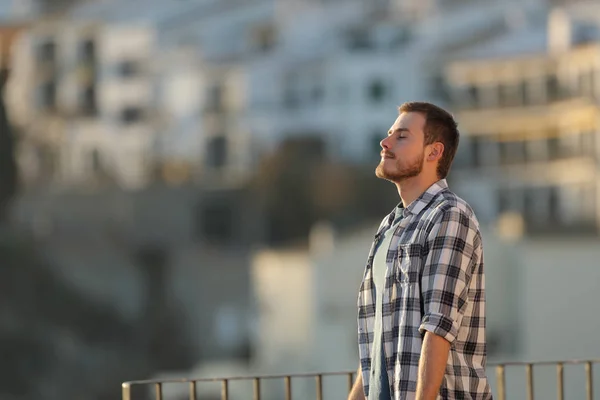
x,y
434,282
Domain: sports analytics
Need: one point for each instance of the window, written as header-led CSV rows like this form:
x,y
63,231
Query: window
x,y
48,96
128,69
216,222
537,206
88,50
214,101
528,204
96,161
553,147
586,83
131,115
264,37
588,203
439,88
402,37
504,201
588,140
216,152
512,152
512,95
377,91
358,39
537,150
571,145
47,51
473,99
88,103
522,93
552,88
554,204
536,91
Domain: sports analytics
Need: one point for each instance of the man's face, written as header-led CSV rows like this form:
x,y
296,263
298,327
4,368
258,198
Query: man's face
x,y
403,150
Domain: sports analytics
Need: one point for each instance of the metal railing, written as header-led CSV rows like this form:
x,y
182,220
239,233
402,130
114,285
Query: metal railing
x,y
560,377
350,375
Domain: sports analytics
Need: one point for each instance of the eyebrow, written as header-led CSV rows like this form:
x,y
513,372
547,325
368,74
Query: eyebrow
x,y
390,132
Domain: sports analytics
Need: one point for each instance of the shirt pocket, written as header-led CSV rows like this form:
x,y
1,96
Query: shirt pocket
x,y
408,263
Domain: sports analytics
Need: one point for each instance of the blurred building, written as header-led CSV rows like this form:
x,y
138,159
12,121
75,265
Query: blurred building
x,y
338,69
527,103
81,95
202,90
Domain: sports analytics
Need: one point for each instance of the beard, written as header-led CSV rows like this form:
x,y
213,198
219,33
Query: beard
x,y
398,173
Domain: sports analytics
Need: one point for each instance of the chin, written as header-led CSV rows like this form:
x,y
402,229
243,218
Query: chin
x,y
380,172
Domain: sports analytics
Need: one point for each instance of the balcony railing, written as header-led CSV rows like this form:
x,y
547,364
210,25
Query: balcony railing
x,y
500,392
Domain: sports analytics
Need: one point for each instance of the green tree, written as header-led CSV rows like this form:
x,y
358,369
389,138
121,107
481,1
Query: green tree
x,y
283,182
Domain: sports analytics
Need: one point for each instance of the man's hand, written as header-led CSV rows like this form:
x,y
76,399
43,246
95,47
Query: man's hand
x,y
432,366
357,392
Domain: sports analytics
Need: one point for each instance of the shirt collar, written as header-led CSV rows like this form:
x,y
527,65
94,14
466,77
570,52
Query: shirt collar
x,y
425,198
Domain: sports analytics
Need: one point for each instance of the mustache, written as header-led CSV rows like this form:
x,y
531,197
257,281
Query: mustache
x,y
387,154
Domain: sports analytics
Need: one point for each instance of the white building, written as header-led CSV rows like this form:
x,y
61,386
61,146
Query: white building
x,y
339,71
212,86
81,94
527,103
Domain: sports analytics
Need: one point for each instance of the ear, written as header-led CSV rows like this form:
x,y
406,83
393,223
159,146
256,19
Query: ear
x,y
435,151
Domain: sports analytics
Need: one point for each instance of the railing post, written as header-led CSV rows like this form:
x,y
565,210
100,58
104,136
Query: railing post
x,y
500,370
589,383
126,391
256,388
288,388
560,381
224,389
350,382
192,388
501,382
529,372
319,387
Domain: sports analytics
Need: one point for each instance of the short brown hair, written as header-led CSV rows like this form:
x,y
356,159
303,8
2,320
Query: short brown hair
x,y
440,126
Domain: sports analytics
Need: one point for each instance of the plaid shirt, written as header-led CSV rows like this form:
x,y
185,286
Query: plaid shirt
x,y
434,282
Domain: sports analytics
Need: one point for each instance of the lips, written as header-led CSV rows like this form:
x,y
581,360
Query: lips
x,y
386,155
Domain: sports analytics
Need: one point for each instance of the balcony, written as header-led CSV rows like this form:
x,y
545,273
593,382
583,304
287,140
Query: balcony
x,y
567,170
500,386
580,112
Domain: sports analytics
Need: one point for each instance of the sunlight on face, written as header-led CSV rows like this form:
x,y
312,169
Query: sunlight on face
x,y
403,150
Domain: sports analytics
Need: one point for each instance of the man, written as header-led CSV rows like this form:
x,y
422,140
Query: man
x,y
421,305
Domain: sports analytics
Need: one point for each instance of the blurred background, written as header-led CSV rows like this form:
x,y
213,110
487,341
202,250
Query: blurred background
x,y
187,187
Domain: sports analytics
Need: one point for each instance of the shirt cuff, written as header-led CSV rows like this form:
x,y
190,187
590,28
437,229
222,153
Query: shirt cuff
x,y
439,325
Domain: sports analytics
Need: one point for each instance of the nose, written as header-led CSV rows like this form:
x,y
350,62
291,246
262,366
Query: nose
x,y
385,143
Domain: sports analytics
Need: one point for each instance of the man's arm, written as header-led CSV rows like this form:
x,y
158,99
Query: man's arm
x,y
357,392
432,366
453,244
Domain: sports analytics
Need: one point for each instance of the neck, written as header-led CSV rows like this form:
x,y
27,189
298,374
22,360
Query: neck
x,y
410,189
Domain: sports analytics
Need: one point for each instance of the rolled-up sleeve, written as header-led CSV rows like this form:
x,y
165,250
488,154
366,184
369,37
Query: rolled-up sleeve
x,y
452,245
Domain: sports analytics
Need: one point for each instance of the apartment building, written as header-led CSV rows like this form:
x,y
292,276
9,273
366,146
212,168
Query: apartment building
x,y
108,95
528,108
339,69
81,96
